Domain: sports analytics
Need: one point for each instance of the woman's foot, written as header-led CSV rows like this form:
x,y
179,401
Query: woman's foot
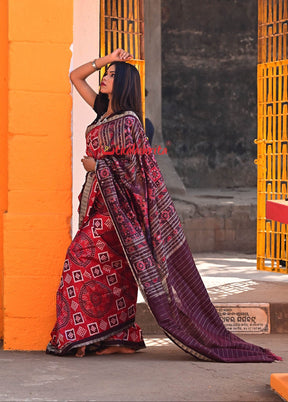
x,y
80,352
115,349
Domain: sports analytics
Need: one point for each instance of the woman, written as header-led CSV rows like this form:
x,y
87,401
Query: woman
x,y
129,229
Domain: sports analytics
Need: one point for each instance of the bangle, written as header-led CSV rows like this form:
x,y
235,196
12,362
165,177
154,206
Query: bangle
x,y
94,65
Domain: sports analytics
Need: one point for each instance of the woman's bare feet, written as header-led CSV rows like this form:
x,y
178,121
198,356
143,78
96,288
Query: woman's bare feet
x,y
115,349
80,351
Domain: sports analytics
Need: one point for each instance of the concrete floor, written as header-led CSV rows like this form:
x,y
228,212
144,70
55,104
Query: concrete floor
x,y
162,372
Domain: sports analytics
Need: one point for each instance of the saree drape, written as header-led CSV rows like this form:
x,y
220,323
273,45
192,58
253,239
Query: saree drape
x,y
154,244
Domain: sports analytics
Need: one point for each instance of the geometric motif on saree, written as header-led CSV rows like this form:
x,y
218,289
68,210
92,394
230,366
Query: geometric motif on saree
x,y
82,250
63,310
95,298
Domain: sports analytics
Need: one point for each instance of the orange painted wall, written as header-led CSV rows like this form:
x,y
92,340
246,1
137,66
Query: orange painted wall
x,y
3,136
37,224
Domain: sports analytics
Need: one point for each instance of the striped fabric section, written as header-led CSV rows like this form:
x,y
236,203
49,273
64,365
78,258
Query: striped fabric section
x,y
153,241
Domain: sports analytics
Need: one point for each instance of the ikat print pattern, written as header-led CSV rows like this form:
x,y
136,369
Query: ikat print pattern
x,y
97,295
136,200
151,234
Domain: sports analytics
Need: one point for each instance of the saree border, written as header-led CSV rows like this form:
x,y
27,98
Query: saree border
x,y
90,340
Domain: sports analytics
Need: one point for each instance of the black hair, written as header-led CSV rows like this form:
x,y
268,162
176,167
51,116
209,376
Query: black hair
x,y
126,94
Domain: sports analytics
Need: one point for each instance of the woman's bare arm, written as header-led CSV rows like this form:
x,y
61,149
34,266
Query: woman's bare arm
x,y
79,75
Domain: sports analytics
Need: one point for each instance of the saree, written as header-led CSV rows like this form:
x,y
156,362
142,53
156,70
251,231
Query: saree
x,y
153,242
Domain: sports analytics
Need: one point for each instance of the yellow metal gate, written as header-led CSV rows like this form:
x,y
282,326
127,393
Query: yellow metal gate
x,y
122,26
272,142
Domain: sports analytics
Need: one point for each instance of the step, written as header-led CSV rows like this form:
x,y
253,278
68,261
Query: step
x,y
216,219
275,313
279,383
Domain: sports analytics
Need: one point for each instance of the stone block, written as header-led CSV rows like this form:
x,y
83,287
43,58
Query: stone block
x,y
200,240
29,297
225,240
185,211
35,261
146,320
31,333
199,223
246,239
48,21
279,383
44,67
279,318
37,201
39,162
40,114
35,233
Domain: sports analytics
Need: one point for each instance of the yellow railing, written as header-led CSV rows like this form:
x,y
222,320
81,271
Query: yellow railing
x,y
272,143
122,26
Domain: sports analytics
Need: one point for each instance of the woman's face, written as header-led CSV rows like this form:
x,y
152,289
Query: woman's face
x,y
106,86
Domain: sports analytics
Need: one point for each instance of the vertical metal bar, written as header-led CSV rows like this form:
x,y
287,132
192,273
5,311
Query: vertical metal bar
x,y
285,41
136,16
284,163
270,14
130,26
108,27
274,30
125,17
260,11
285,10
269,164
268,240
284,123
274,134
120,23
272,250
102,28
114,25
141,17
277,250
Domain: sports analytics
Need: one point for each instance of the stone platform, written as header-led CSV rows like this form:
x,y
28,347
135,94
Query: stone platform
x,y
216,219
233,278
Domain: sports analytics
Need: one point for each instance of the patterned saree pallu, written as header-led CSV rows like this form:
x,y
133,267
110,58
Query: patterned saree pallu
x,y
146,241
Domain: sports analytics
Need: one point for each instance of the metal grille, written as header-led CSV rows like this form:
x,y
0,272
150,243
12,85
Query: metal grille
x,y
272,142
122,26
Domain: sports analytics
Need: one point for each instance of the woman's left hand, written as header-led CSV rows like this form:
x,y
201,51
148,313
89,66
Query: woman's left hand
x,y
89,163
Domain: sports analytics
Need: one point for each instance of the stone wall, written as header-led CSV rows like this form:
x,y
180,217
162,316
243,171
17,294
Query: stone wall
x,y
209,59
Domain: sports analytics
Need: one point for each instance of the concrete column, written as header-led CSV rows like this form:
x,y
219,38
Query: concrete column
x,y
86,28
3,138
37,223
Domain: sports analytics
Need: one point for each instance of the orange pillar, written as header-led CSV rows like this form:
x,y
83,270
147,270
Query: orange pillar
x,y
3,136
37,224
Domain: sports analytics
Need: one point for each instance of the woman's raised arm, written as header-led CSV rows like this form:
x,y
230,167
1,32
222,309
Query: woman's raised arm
x,y
79,75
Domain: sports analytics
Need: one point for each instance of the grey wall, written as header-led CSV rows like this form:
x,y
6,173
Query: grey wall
x,y
209,60
153,83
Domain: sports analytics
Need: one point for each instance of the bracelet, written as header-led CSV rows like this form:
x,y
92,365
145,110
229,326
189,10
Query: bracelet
x,y
94,65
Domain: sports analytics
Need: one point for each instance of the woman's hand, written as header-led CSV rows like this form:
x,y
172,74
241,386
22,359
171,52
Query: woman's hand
x,y
79,75
89,163
120,55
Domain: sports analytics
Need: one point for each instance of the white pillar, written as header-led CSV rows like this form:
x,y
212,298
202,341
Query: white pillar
x,y
86,40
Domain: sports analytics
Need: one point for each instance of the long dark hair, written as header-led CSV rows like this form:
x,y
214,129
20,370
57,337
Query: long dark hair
x,y
126,93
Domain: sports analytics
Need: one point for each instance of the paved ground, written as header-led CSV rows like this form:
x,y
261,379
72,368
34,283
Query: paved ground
x,y
162,372
233,277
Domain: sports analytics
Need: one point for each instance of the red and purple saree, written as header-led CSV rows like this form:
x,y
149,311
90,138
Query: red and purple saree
x,y
129,229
